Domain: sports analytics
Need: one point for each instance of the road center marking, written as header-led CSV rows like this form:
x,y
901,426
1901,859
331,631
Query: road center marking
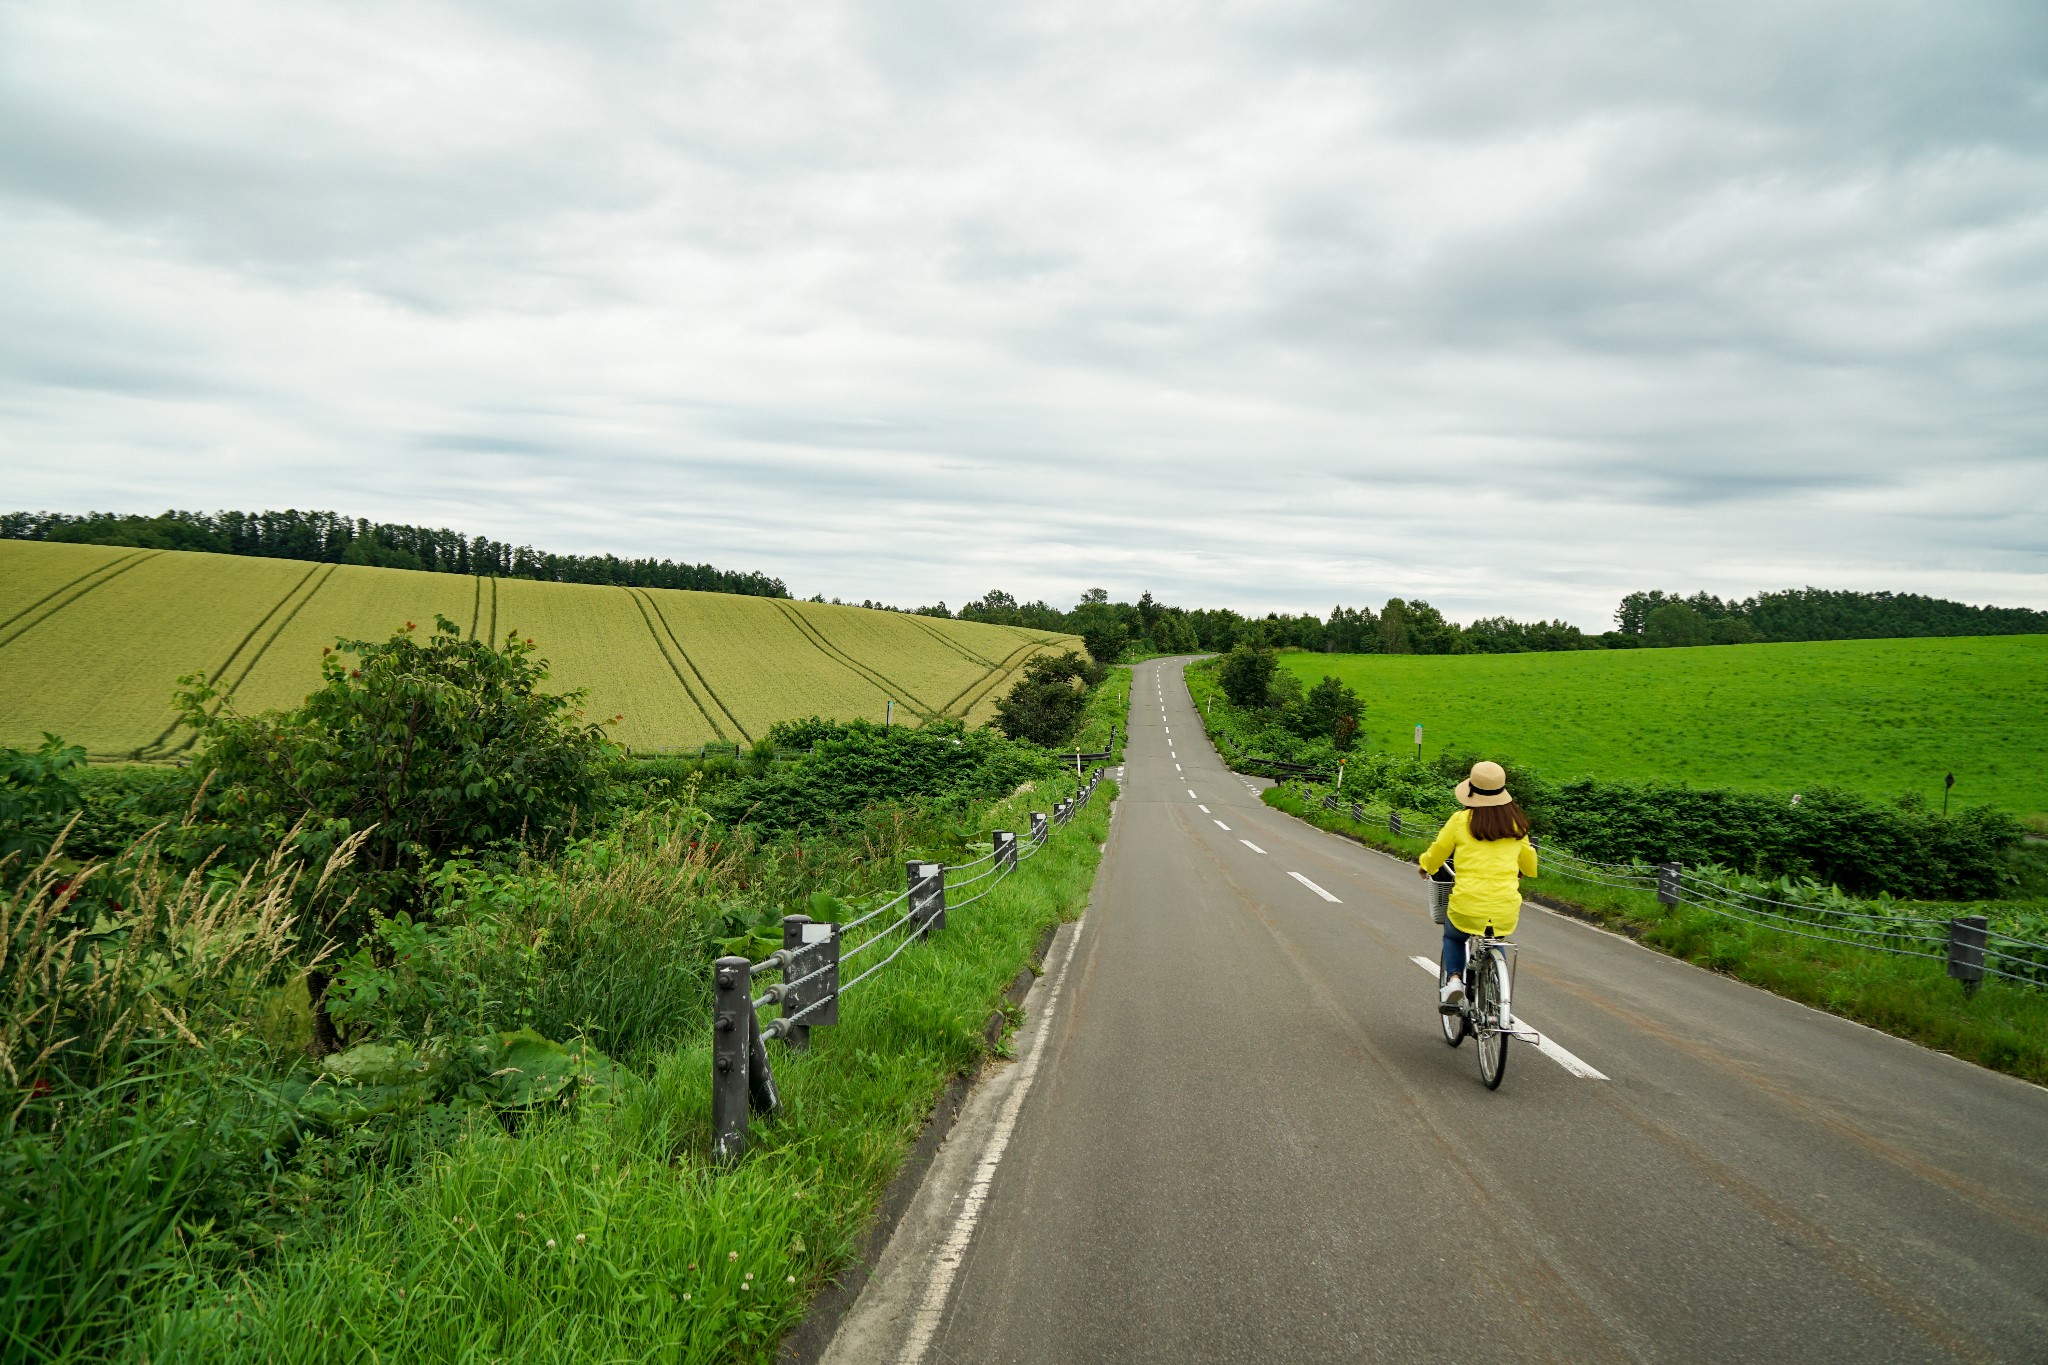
x,y
1317,889
1191,794
1253,847
1203,809
1570,1061
1220,825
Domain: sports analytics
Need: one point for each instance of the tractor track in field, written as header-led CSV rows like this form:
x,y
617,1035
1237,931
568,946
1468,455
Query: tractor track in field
x,y
815,634
647,605
145,752
101,576
962,650
995,677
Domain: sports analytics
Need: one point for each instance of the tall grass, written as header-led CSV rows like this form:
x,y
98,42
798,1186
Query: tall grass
x,y
126,995
601,1232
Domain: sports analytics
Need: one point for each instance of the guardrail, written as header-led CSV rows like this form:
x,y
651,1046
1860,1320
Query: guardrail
x,y
812,957
1967,945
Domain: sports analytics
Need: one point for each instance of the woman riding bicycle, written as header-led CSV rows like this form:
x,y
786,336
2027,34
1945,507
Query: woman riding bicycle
x,y
1488,843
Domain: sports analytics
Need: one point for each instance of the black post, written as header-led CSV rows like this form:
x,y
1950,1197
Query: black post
x,y
1947,786
1357,812
927,891
1966,950
1668,885
1006,850
731,1040
795,1037
1393,821
1039,827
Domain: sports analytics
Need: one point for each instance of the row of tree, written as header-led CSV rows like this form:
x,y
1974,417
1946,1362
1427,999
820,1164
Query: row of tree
x,y
1403,626
331,538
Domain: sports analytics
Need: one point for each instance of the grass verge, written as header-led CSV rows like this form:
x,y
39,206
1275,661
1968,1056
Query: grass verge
x,y
2003,1026
603,1232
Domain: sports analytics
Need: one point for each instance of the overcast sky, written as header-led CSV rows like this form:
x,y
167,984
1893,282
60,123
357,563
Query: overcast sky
x,y
1509,305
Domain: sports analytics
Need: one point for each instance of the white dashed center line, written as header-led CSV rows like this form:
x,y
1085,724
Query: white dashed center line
x,y
1203,809
1220,825
1191,794
1252,846
1317,889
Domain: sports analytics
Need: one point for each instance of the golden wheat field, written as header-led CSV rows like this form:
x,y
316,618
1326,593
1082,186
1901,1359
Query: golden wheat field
x,y
94,638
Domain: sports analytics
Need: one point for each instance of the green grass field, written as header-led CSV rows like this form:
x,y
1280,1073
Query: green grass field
x,y
93,639
1876,716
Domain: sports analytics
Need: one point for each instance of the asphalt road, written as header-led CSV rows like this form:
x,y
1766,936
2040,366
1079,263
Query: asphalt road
x,y
1246,1140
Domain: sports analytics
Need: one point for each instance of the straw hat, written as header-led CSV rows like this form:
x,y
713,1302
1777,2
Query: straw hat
x,y
1488,786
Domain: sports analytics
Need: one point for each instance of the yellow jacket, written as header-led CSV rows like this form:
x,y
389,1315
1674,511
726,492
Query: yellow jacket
x,y
1488,891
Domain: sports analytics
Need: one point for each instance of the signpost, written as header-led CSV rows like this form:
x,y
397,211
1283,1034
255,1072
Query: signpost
x,y
889,715
1418,744
1946,787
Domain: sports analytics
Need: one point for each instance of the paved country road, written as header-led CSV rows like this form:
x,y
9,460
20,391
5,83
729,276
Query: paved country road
x,y
1233,1133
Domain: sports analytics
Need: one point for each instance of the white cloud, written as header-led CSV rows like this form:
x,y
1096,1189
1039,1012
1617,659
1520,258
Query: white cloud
x,y
1513,307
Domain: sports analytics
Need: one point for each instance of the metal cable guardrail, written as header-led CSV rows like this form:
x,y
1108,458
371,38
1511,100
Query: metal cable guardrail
x,y
810,960
1968,945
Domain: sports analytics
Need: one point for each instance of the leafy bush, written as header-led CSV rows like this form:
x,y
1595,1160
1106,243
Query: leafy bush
x,y
38,790
1045,705
856,764
423,749
1246,675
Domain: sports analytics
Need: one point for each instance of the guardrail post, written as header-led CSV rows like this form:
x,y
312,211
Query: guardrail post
x,y
811,946
1358,812
1966,950
1006,850
927,891
1667,882
1039,828
731,1041
1393,821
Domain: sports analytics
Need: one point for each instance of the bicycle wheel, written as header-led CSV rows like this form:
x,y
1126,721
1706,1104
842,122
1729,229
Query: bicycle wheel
x,y
1454,1025
1493,1043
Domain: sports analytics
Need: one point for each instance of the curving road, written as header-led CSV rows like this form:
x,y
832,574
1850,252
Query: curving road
x,y
1233,1134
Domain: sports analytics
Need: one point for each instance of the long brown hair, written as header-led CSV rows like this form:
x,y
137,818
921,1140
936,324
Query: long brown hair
x,y
1499,822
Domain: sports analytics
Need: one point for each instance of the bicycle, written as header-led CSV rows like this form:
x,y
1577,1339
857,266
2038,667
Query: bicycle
x,y
1486,1014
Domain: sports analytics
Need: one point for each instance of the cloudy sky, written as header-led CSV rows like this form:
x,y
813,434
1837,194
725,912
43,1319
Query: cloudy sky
x,y
1510,305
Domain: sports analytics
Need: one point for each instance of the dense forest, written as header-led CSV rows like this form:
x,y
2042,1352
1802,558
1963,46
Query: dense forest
x,y
331,538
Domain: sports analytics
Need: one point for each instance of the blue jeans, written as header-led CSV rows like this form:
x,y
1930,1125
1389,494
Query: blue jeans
x,y
1454,949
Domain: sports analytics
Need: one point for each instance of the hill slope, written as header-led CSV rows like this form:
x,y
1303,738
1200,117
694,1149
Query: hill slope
x,y
93,638
1877,716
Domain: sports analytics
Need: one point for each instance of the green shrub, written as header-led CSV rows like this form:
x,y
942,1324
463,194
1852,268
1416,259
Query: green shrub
x,y
38,791
421,750
856,764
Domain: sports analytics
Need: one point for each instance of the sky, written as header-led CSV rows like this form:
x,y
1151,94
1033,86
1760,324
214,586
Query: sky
x,y
1509,305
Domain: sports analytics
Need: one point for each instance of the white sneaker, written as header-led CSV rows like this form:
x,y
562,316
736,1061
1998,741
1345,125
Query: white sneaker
x,y
1453,992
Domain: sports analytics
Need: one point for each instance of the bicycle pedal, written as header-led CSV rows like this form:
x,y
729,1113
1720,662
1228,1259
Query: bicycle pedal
x,y
1450,1009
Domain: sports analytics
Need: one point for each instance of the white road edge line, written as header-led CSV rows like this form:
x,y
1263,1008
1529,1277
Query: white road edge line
x,y
1564,1057
1219,824
946,1265
1317,889
1253,847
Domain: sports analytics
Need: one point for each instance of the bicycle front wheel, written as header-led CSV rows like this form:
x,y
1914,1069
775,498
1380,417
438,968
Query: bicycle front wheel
x,y
1486,1020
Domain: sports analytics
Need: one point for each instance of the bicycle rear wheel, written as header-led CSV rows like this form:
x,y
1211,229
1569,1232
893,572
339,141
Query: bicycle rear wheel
x,y
1454,1025
1486,1020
